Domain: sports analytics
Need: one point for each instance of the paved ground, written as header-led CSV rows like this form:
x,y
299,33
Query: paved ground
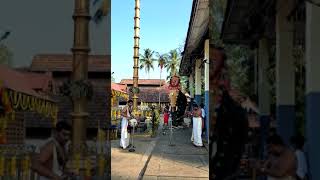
x,y
182,161
128,165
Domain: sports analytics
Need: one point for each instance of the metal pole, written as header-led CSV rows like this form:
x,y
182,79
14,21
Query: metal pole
x,y
136,53
132,146
171,132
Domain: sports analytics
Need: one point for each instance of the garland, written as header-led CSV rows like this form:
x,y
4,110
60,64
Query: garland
x,y
24,102
115,94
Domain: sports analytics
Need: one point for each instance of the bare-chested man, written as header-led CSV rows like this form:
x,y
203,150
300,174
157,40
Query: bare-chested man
x,y
281,164
51,160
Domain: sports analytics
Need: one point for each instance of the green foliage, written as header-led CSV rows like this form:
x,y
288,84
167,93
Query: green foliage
x,y
162,60
173,62
217,11
184,83
146,60
238,60
5,55
238,68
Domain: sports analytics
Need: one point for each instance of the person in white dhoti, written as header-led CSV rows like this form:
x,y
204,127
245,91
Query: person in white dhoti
x,y
197,126
126,114
50,161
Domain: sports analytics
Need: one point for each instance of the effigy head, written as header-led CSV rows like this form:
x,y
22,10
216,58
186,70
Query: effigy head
x,y
174,82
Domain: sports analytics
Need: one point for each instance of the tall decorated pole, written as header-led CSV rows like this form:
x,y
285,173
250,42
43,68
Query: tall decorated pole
x,y
136,37
81,86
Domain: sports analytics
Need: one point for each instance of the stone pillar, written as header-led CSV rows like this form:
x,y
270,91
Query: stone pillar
x,y
263,84
206,87
313,88
198,81
285,80
263,91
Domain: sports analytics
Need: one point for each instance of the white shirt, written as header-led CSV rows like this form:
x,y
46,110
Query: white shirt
x,y
203,113
301,164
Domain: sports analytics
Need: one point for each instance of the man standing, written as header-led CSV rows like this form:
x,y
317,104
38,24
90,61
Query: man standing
x,y
50,162
126,116
197,126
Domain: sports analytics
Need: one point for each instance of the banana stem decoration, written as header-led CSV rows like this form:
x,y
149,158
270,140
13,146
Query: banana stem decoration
x,y
2,167
77,162
87,167
101,163
13,167
26,166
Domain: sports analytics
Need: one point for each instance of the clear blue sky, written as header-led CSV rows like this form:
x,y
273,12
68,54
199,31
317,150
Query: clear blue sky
x,y
163,27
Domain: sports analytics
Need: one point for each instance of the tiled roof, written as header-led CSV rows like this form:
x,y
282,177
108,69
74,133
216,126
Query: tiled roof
x,y
144,81
119,87
24,82
63,62
151,94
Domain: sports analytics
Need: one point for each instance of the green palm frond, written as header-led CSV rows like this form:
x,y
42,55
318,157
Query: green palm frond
x,y
173,62
146,60
162,60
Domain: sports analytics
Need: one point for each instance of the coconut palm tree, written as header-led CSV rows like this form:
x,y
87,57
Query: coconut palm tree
x,y
162,60
173,62
146,60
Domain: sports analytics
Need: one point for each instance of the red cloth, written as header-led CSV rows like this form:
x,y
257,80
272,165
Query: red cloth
x,y
166,118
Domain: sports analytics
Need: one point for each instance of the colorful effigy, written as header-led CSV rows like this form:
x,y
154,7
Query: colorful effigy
x,y
174,88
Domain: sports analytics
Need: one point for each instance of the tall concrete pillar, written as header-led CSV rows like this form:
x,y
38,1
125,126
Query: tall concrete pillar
x,y
313,88
198,81
285,80
206,87
263,91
